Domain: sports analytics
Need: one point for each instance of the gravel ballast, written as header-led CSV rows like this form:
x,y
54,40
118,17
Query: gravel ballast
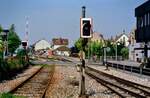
x,y
65,84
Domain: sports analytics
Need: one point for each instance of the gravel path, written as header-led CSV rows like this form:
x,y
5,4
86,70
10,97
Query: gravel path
x,y
8,85
65,84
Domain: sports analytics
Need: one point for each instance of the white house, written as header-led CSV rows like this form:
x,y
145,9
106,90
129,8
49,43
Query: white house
x,y
123,38
41,44
63,50
59,46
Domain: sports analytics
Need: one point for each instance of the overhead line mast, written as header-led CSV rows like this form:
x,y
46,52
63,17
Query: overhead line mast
x,y
27,29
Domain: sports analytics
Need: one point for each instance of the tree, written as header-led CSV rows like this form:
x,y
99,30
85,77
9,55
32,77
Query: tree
x,y
112,48
78,44
119,48
125,52
1,44
96,48
1,29
13,40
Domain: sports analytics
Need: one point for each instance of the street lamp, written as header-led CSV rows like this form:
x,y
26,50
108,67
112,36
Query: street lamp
x,y
117,43
4,36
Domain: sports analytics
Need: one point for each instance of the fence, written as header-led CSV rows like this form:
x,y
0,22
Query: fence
x,y
100,59
133,69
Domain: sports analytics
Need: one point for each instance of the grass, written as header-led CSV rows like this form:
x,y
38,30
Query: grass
x,y
44,65
8,95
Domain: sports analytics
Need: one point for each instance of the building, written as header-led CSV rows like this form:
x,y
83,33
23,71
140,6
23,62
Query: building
x,y
60,46
122,38
135,54
142,33
62,50
97,37
41,45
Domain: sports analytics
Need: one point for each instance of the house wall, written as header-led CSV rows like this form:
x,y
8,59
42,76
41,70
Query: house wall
x,y
121,39
136,55
63,53
42,45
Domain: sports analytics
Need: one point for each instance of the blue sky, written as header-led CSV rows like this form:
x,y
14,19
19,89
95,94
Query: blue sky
x,y
60,18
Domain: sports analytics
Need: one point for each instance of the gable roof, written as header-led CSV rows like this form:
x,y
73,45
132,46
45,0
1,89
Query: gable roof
x,y
117,37
38,41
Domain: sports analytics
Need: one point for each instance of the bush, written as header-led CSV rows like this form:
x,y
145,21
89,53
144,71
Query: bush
x,y
125,53
13,65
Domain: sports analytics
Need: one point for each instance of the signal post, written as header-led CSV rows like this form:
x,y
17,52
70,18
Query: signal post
x,y
85,34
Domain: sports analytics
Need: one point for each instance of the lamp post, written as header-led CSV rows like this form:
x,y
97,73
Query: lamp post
x,y
4,36
105,50
117,50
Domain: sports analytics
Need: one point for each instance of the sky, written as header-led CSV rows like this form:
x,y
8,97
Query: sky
x,y
61,18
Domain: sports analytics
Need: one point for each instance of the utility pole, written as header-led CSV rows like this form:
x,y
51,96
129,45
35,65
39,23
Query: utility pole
x,y
27,29
25,43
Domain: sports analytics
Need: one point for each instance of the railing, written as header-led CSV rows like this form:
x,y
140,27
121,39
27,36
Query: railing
x,y
100,59
133,69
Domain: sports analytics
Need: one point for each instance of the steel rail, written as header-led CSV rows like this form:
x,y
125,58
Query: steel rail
x,y
128,83
39,82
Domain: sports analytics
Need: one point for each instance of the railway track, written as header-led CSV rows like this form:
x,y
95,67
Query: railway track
x,y
35,86
123,88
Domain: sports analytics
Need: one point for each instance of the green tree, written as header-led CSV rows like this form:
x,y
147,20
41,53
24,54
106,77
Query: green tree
x,y
1,43
112,48
1,29
119,48
13,40
94,48
78,44
125,52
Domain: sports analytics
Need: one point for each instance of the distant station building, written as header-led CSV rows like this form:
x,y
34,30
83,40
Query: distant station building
x,y
42,48
41,45
60,46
